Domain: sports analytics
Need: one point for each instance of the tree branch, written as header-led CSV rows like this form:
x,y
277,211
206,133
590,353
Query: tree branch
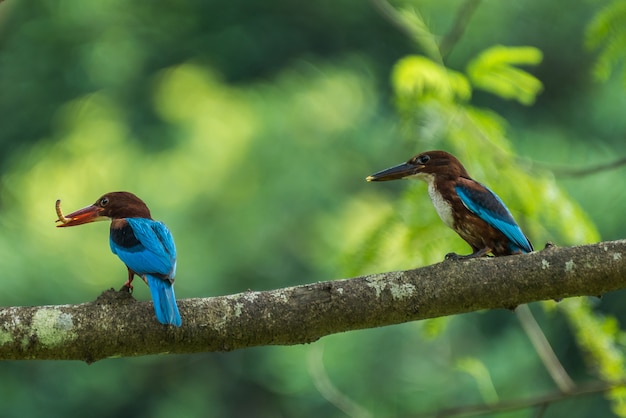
x,y
115,325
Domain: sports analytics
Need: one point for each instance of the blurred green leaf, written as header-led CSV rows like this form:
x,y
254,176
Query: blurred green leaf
x,y
433,328
495,70
607,32
479,372
415,78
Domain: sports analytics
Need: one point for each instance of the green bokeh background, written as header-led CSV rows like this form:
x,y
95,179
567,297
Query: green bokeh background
x,y
248,128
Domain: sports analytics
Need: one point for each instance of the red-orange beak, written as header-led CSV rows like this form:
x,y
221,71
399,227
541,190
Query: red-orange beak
x,y
81,216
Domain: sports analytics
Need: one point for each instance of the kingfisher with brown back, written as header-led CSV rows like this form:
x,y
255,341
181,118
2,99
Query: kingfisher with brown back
x,y
146,246
473,211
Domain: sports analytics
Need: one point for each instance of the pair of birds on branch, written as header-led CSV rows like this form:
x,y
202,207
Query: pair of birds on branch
x,y
147,248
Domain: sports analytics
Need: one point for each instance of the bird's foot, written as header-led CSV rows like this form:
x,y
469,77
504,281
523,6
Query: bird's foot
x,y
127,287
480,253
110,296
454,256
549,245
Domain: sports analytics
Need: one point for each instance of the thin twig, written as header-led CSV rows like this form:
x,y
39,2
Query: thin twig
x,y
448,42
583,389
388,12
576,172
411,24
544,350
565,172
325,386
461,21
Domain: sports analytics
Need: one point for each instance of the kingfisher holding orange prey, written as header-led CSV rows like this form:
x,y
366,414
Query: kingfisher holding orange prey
x,y
473,211
146,246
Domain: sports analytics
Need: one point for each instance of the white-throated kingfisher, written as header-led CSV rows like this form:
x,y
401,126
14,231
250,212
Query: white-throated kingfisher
x,y
473,211
146,246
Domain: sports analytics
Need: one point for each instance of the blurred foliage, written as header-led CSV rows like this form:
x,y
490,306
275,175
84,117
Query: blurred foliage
x,y
603,342
480,373
418,31
415,77
249,128
494,71
607,32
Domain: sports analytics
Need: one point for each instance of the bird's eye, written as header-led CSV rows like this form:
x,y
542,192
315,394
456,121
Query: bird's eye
x,y
422,159
104,201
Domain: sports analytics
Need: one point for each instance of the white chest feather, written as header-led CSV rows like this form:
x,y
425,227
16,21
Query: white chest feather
x,y
443,208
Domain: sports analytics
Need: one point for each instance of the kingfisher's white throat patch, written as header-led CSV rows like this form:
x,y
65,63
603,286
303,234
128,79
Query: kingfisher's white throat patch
x,y
443,208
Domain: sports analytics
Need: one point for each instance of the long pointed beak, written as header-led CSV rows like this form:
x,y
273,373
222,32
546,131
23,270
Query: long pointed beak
x,y
81,216
396,172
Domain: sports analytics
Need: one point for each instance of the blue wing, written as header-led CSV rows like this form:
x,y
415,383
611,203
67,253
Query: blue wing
x,y
489,207
154,252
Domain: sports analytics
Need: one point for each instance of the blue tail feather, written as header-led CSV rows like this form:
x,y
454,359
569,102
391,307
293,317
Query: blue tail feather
x,y
164,300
